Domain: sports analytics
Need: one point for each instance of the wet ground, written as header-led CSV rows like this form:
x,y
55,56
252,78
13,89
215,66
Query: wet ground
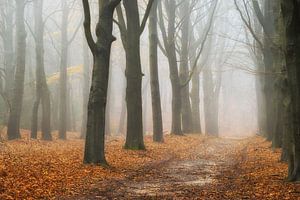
x,y
176,178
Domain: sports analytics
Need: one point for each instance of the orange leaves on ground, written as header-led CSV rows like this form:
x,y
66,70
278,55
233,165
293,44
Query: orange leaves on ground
x,y
38,170
259,174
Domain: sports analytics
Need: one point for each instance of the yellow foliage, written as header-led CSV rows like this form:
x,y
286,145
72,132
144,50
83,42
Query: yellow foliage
x,y
70,71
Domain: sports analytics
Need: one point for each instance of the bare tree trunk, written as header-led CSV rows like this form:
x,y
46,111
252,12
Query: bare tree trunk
x,y
195,91
154,79
186,111
108,107
63,73
210,104
134,136
170,48
13,129
8,48
85,87
291,18
42,91
95,138
121,129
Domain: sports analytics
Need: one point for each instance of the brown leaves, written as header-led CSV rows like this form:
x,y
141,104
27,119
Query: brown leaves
x,y
39,170
257,175
238,169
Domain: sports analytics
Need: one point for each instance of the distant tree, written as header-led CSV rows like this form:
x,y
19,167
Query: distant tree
x,y
169,48
42,91
85,86
13,128
66,41
7,12
95,138
186,110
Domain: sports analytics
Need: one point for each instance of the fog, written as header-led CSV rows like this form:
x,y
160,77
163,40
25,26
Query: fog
x,y
226,54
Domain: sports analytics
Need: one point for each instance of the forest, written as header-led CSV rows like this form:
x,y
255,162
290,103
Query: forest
x,y
149,99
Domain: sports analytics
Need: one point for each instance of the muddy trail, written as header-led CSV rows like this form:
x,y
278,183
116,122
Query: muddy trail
x,y
174,177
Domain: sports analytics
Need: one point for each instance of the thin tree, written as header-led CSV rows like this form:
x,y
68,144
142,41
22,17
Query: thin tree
x,y
13,128
42,91
155,89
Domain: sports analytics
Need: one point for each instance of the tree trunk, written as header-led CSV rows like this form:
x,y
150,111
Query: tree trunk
x,y
121,129
95,138
186,111
291,18
13,129
85,87
170,48
154,78
63,91
210,105
42,91
8,49
195,91
134,137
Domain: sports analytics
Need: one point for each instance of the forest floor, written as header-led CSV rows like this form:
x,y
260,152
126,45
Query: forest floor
x,y
186,167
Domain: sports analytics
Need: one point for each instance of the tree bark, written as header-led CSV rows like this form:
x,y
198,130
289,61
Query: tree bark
x,y
8,48
95,138
42,91
131,33
13,129
85,87
154,78
169,43
291,18
63,84
186,111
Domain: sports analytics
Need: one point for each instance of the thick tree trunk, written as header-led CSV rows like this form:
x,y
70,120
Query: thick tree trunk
x,y
291,18
95,138
154,79
13,129
134,137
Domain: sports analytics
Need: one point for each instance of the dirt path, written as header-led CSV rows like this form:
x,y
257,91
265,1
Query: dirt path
x,y
176,178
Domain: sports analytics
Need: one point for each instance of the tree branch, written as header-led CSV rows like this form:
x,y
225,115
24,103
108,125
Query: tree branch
x,y
87,26
146,15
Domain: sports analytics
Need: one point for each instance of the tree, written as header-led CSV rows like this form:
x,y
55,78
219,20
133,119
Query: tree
x,y
291,20
95,138
85,86
186,110
63,84
155,89
42,91
6,33
168,37
13,128
130,34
